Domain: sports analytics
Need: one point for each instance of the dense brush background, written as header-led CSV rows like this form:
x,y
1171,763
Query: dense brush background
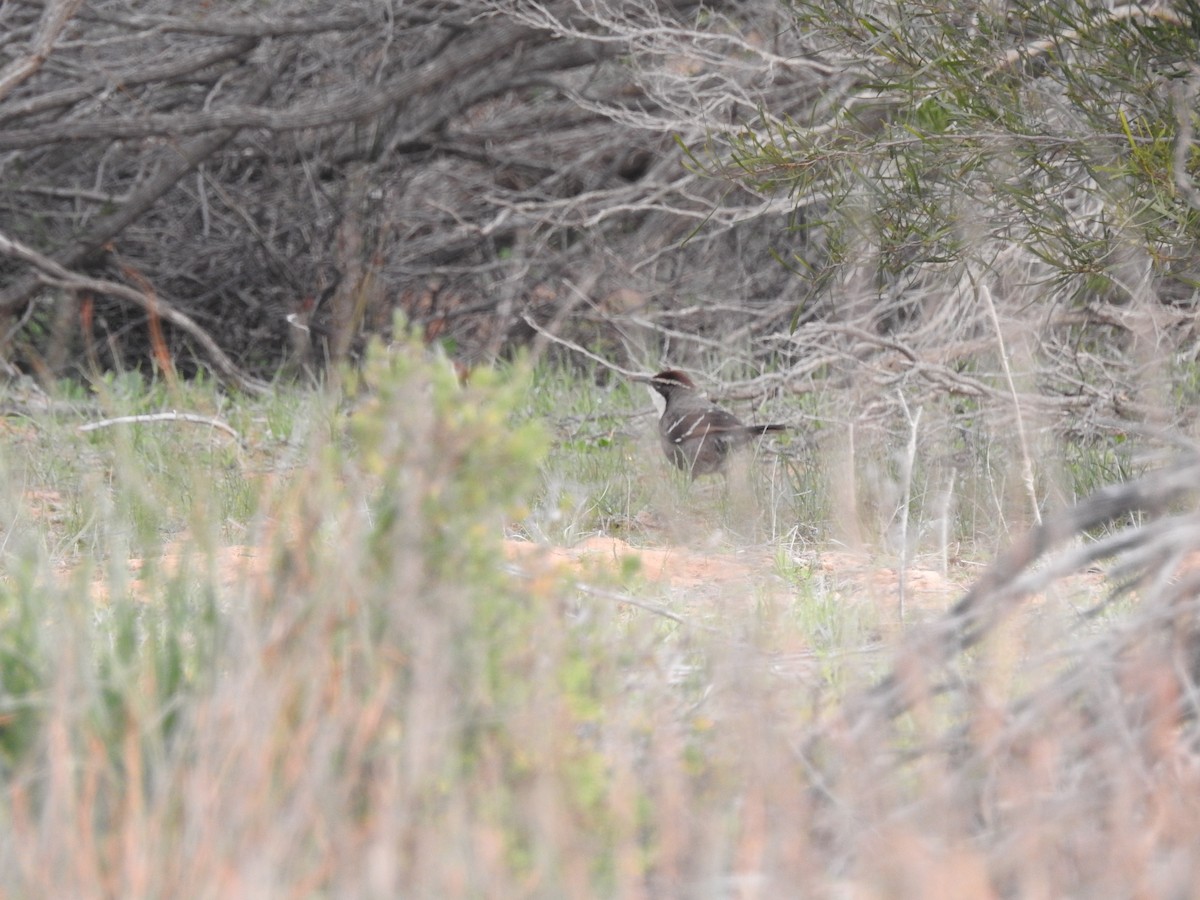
x,y
312,324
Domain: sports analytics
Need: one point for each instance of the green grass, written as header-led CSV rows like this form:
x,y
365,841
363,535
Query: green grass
x,y
381,704
605,472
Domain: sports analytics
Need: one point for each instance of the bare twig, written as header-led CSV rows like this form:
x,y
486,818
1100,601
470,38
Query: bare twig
x,y
51,273
162,417
165,175
1127,12
618,597
571,345
55,17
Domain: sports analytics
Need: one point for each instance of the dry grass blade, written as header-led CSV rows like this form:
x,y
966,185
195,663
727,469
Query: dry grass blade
x,y
1013,576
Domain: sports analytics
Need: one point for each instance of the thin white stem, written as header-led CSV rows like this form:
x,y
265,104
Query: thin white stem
x,y
1022,442
162,417
910,457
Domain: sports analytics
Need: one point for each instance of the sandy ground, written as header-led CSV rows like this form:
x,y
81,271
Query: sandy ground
x,y
608,559
855,577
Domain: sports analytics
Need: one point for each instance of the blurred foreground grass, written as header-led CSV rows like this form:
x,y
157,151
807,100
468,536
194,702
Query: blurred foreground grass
x,y
373,700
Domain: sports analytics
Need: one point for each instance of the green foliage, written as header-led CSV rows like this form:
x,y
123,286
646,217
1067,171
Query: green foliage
x,y
473,458
1052,125
23,671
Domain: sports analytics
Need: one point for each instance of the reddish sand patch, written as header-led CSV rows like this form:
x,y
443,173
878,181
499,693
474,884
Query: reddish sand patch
x,y
856,577
232,566
45,506
853,576
674,565
863,577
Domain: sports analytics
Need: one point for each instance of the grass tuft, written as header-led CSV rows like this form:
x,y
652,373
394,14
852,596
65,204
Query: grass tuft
x,y
306,661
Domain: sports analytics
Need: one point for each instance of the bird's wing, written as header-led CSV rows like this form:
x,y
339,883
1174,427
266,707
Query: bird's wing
x,y
713,421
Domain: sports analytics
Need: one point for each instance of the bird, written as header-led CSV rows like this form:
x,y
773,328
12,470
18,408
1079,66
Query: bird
x,y
697,436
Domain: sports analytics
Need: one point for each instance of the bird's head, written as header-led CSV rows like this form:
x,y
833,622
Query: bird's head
x,y
664,384
667,381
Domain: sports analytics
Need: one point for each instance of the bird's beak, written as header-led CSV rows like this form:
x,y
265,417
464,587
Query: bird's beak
x,y
642,379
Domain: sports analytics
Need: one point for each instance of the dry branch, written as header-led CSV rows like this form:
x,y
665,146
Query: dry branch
x,y
55,17
55,275
162,417
1016,574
